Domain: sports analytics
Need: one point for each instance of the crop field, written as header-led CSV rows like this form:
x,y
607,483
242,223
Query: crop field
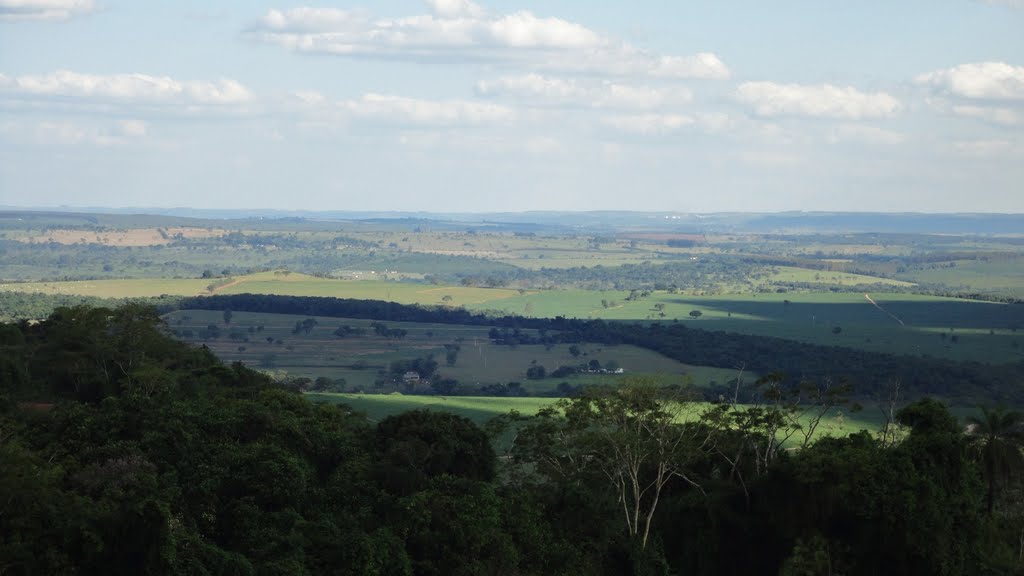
x,y
268,342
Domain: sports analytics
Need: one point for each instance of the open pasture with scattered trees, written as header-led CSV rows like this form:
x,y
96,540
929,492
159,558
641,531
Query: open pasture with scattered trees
x,y
357,354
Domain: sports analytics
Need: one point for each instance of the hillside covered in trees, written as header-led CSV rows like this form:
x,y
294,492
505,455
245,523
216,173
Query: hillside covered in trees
x,y
127,452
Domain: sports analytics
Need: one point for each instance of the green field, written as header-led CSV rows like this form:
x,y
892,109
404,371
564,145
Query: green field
x,y
476,408
271,283
482,409
1004,276
131,288
361,359
984,331
792,274
956,329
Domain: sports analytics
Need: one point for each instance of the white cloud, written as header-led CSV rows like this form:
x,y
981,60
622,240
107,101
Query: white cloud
x,y
425,112
715,122
44,9
66,133
132,128
462,30
455,8
994,115
982,148
543,145
541,90
821,101
310,98
977,81
867,134
649,123
125,88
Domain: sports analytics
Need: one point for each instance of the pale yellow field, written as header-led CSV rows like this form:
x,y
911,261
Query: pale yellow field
x,y
123,238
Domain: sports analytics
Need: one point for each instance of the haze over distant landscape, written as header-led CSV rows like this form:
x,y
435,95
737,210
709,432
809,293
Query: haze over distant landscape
x,y
455,106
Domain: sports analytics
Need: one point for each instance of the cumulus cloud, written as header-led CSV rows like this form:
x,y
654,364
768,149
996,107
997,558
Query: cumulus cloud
x,y
132,127
649,123
455,8
820,101
459,29
536,89
867,134
44,9
992,115
977,81
67,133
425,112
982,148
125,88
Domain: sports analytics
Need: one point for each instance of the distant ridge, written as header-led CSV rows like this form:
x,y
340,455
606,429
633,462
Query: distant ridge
x,y
596,221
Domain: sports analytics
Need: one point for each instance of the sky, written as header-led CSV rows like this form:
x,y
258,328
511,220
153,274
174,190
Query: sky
x,y
514,105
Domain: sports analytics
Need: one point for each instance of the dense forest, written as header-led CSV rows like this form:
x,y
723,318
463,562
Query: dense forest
x,y
127,452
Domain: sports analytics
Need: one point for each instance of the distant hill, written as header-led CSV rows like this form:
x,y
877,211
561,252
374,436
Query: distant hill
x,y
591,221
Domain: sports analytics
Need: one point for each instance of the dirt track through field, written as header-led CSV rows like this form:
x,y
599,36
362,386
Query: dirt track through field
x,y
228,285
887,313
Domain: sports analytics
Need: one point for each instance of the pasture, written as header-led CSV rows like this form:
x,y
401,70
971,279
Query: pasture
x,y
130,288
285,283
793,274
912,324
269,342
119,238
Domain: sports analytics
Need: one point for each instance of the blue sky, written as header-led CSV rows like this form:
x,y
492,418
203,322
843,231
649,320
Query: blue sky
x,y
451,105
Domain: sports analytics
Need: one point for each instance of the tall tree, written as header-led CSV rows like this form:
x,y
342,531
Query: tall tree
x,y
998,437
639,437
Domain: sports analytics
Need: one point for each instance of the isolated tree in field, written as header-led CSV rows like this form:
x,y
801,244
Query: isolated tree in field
x,y
998,436
451,353
696,313
304,326
636,437
227,316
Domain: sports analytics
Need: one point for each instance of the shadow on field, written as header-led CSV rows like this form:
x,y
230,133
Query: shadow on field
x,y
940,314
